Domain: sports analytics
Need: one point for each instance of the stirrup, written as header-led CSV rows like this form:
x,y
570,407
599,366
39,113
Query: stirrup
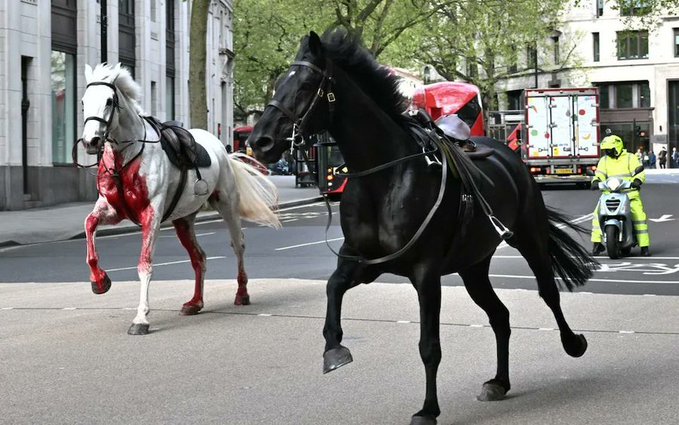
x,y
200,187
500,228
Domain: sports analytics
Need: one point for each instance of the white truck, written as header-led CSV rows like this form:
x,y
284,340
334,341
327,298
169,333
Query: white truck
x,y
561,134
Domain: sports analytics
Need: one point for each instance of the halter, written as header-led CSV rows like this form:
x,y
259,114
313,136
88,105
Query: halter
x,y
325,89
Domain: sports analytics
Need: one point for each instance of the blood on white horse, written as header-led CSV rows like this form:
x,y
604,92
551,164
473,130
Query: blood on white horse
x,y
136,181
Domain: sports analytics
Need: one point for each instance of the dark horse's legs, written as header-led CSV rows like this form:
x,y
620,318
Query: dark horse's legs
x,y
428,286
533,246
478,285
342,279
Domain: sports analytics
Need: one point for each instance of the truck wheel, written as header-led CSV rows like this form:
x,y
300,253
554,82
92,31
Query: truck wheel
x,y
612,245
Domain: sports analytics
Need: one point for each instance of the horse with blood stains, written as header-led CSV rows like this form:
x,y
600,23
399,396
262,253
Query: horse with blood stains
x,y
137,181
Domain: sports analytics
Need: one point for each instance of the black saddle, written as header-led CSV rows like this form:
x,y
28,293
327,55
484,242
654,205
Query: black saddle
x,y
179,145
454,129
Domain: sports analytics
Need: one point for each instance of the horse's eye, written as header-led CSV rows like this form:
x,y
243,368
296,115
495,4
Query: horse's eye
x,y
109,102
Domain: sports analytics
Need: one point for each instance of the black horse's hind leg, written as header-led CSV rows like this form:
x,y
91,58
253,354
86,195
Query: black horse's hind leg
x,y
478,285
429,295
540,262
343,279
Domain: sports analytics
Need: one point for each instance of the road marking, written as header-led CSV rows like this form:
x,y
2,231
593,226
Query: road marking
x,y
69,308
169,263
403,321
307,244
663,218
264,315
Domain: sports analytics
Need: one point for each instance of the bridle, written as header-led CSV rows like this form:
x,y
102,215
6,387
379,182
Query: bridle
x,y
115,105
325,90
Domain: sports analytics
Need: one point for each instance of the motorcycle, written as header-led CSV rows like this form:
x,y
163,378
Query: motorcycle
x,y
615,217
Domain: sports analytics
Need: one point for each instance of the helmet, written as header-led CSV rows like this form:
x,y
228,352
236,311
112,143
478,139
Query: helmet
x,y
612,145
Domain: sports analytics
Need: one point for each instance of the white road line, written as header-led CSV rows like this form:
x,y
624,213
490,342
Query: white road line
x,y
511,276
169,263
307,244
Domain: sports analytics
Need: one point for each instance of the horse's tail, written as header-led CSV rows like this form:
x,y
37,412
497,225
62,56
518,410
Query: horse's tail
x,y
570,260
258,195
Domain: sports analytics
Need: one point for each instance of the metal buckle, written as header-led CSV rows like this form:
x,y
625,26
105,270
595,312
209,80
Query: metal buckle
x,y
331,97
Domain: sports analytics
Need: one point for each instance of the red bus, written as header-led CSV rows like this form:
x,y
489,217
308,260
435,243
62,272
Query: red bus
x,y
240,135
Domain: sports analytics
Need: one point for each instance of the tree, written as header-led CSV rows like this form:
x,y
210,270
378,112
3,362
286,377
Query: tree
x,y
198,63
487,37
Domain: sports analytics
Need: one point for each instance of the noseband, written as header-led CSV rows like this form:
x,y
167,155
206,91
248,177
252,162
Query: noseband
x,y
325,89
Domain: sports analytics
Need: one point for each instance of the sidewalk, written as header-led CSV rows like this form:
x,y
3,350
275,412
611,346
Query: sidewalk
x,y
65,221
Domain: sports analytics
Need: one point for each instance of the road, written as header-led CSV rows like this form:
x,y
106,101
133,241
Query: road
x,y
299,250
65,357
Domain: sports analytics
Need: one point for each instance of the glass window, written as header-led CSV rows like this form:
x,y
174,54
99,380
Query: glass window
x,y
623,96
604,97
676,42
635,7
556,50
169,99
531,56
63,106
632,44
644,95
595,46
599,8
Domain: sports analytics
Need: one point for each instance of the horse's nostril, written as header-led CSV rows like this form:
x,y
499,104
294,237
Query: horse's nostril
x,y
263,144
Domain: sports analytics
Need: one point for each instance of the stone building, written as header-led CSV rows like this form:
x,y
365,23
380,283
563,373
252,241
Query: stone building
x,y
635,66
44,46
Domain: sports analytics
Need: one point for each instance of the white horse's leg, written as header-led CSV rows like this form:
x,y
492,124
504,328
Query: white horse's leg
x,y
187,236
150,224
226,202
103,213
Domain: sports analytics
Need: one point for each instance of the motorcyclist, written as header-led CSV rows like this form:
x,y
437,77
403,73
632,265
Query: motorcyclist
x,y
617,162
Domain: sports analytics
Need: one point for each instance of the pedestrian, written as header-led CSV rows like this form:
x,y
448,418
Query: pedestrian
x,y
616,161
675,158
651,160
662,157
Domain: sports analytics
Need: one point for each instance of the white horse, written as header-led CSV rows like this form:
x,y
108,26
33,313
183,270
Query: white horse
x,y
136,181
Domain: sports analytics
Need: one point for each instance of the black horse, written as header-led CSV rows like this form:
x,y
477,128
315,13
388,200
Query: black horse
x,y
336,85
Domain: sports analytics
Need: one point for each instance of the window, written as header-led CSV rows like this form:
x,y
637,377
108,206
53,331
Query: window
x,y
472,67
169,98
154,99
63,106
515,100
154,11
676,42
511,62
635,7
623,95
632,44
599,8
595,46
555,39
644,95
531,56
469,113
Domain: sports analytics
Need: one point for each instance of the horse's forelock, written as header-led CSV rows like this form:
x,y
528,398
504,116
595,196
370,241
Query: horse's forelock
x,y
120,77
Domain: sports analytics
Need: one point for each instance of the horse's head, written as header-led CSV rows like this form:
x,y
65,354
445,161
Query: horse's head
x,y
300,105
103,102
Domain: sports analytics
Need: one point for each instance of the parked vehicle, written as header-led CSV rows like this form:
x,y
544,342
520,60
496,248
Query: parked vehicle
x,y
557,135
615,217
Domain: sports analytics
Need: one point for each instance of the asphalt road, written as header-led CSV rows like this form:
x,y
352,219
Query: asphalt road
x,y
65,357
299,250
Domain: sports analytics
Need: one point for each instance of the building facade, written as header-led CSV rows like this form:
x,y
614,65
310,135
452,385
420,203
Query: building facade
x,y
44,46
636,69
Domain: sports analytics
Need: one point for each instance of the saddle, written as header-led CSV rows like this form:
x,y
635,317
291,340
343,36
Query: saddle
x,y
454,129
179,145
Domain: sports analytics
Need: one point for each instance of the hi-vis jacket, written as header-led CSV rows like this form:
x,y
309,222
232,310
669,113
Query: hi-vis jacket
x,y
627,166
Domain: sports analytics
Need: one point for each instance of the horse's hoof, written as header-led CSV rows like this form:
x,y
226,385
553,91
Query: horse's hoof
x,y
492,390
138,329
575,346
103,287
336,358
190,309
422,420
242,299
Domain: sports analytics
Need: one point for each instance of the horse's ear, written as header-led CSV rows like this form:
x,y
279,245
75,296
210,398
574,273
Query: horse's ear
x,y
315,45
88,73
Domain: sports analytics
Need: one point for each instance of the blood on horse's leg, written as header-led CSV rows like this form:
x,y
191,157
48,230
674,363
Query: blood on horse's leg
x,y
187,237
102,214
242,296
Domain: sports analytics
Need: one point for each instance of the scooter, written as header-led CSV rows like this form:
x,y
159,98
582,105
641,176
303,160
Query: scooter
x,y
615,217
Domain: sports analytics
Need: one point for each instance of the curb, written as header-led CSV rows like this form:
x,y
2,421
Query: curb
x,y
129,228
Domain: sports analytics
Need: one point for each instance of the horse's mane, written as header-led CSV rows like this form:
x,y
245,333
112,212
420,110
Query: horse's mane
x,y
120,77
377,81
